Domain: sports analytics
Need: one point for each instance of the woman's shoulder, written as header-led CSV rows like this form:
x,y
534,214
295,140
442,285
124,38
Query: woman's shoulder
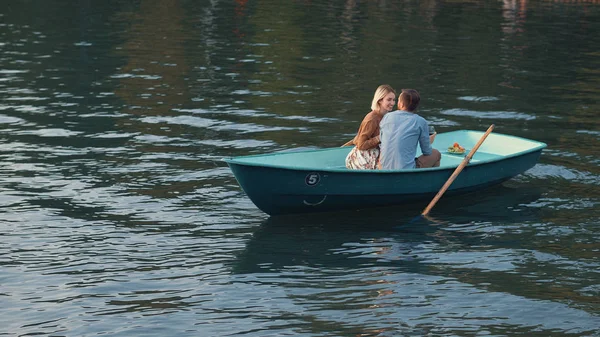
x,y
372,116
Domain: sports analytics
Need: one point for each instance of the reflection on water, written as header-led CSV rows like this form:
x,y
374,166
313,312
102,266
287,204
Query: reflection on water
x,y
118,216
497,212
360,265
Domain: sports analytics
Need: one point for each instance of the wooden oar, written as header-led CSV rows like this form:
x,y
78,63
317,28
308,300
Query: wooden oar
x,y
457,171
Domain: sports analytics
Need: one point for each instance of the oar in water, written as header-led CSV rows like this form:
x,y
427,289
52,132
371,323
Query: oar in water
x,y
457,171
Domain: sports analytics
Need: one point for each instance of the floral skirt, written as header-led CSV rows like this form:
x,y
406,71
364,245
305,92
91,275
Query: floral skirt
x,y
363,159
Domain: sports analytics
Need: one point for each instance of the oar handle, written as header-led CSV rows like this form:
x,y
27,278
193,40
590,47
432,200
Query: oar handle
x,y
457,171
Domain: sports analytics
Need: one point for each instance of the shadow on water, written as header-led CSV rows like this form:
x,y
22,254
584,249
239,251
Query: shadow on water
x,y
342,239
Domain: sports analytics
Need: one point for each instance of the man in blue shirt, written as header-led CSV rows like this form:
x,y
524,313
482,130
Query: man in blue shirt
x,y
400,133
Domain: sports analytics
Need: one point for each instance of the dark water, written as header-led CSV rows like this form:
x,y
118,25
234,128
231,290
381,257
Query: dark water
x,y
118,217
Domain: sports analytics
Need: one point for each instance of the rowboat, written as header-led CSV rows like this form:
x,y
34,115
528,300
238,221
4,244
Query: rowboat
x,y
318,181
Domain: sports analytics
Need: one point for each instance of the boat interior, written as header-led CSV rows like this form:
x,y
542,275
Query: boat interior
x,y
496,146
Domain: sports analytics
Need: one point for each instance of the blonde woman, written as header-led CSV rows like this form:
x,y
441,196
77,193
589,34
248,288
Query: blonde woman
x,y
365,154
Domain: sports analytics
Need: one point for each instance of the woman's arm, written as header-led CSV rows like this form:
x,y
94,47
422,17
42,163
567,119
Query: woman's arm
x,y
350,142
367,136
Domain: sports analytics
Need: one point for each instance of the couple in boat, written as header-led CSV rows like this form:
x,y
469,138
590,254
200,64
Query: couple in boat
x,y
388,139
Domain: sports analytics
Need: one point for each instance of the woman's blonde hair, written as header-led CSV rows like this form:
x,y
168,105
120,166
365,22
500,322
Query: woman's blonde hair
x,y
380,93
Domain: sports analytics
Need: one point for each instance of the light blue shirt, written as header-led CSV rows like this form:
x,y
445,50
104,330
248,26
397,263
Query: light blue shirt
x,y
400,133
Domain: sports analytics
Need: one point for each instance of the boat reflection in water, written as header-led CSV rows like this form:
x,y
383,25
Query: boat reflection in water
x,y
473,267
390,233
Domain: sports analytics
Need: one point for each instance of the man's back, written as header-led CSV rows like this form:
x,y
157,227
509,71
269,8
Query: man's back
x,y
400,132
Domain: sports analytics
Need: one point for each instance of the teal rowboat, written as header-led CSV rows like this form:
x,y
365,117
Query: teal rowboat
x,y
318,181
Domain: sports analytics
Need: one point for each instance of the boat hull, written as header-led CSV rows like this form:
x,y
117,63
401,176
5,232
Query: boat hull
x,y
285,189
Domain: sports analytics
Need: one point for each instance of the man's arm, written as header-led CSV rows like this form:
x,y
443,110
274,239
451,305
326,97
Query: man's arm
x,y
424,139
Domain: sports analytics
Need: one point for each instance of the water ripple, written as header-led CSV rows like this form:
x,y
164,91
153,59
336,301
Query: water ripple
x,y
478,99
488,114
544,171
218,125
118,216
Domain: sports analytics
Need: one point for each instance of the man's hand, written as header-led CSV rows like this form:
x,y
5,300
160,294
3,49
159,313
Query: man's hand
x,y
432,137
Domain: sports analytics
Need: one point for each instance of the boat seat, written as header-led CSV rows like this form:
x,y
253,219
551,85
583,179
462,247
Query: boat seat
x,y
484,156
449,160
